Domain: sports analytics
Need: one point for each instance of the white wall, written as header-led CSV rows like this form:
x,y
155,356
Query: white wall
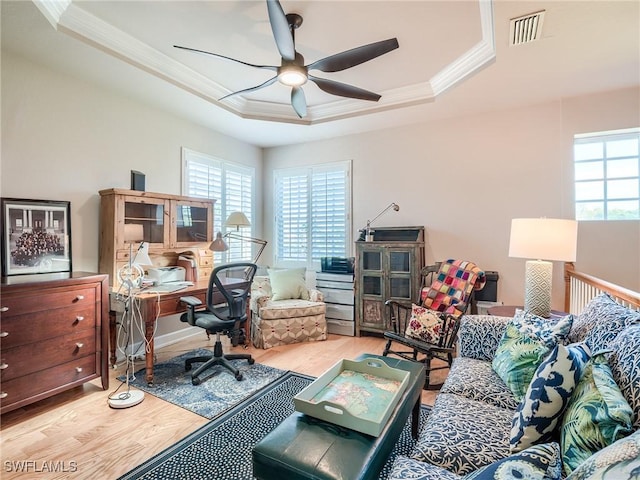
x,y
64,139
464,179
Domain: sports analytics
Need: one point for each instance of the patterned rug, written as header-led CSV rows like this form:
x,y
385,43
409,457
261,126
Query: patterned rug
x,y
214,395
221,449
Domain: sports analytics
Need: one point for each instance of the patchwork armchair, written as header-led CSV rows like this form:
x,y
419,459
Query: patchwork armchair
x,y
428,329
285,311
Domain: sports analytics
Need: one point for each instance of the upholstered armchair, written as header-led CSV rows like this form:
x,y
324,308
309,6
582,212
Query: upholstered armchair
x,y
284,310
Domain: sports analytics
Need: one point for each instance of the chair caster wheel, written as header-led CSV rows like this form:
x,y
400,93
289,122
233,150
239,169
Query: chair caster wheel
x,y
251,361
195,381
239,376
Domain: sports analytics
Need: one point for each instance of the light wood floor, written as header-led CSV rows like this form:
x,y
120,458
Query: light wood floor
x,y
76,431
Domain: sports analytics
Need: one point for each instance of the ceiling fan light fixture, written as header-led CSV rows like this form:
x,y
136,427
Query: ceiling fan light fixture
x,y
292,75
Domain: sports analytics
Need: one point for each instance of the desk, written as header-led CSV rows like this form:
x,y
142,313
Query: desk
x,y
153,305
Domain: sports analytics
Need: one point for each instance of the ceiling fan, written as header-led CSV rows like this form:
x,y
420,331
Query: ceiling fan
x,y
294,73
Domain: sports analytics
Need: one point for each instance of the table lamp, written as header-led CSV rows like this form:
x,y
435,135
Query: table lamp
x,y
542,240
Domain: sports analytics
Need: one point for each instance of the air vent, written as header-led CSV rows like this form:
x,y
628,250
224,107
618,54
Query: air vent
x,y
525,29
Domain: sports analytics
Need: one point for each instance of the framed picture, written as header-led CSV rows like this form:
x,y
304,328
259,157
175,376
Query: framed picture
x,y
36,236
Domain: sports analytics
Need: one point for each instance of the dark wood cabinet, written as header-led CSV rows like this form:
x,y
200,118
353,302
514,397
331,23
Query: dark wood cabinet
x,y
54,335
387,268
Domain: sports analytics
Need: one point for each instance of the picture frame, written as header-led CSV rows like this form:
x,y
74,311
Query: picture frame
x,y
36,236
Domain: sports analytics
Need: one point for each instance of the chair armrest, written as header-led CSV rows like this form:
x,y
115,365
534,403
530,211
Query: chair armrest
x,y
316,295
479,335
191,301
258,300
397,315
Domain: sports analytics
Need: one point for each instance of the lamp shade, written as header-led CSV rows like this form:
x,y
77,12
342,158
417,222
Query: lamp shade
x,y
142,255
218,245
544,239
133,232
237,219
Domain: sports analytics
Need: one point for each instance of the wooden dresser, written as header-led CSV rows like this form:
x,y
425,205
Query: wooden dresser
x,y
53,335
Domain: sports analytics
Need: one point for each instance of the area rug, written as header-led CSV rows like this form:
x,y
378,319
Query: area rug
x,y
221,449
214,395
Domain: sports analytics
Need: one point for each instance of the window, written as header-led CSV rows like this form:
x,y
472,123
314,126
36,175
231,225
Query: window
x,y
232,186
313,213
607,175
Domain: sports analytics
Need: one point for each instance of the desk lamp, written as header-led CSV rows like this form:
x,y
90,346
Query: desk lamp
x,y
545,239
365,234
130,276
236,219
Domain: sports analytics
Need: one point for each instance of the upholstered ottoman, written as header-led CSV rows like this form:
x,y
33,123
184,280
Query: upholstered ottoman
x,y
302,447
288,321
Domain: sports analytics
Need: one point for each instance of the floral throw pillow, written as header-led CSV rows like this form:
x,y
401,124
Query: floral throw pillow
x,y
527,340
424,324
596,417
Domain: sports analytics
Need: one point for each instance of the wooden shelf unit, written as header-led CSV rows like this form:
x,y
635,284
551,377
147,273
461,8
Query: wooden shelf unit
x,y
171,224
387,268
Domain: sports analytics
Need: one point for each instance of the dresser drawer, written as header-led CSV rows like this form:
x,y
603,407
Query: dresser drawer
x,y
340,312
27,359
33,327
332,295
27,389
30,302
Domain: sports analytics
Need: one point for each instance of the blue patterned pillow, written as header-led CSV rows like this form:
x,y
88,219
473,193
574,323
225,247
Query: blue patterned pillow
x,y
538,462
601,321
527,340
554,381
625,366
619,460
597,415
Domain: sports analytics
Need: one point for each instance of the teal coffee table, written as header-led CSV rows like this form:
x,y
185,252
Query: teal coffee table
x,y
303,447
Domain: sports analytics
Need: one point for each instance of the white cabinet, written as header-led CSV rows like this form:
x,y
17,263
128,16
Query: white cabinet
x,y
338,291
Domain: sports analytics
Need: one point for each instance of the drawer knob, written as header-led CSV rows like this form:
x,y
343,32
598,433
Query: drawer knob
x,y
78,369
80,297
3,394
4,334
4,309
79,345
79,318
3,365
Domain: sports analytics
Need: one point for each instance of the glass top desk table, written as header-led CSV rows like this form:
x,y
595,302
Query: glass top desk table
x,y
302,447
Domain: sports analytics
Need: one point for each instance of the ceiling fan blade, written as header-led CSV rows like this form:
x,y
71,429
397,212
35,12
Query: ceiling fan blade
x,y
344,90
268,67
355,56
257,87
298,101
281,31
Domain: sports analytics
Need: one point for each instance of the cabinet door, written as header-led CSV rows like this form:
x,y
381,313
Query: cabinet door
x,y
193,223
400,273
372,288
146,220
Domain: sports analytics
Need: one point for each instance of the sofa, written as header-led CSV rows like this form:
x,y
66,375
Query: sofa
x,y
285,311
575,415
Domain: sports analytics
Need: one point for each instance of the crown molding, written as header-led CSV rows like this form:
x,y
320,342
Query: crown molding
x,y
69,18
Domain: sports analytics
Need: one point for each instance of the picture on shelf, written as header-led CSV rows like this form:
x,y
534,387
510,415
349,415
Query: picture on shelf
x,y
36,236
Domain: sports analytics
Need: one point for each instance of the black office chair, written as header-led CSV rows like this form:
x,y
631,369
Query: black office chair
x,y
222,315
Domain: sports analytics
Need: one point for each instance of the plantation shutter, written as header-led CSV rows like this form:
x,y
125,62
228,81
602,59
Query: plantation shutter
x,y
312,208
232,186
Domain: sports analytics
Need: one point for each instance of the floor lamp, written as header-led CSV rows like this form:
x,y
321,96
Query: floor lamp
x,y
544,239
130,276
